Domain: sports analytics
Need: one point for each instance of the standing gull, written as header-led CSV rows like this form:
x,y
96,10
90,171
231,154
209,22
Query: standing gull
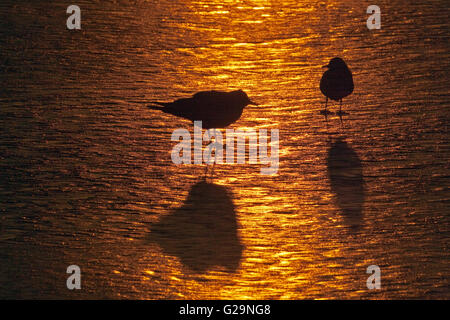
x,y
336,82
216,109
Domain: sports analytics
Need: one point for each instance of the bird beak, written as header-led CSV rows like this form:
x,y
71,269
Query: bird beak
x,y
253,103
327,66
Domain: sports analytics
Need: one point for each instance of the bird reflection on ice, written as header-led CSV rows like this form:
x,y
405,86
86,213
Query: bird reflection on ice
x,y
346,179
203,232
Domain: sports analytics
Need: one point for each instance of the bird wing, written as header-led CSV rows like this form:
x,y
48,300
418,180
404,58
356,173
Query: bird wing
x,y
336,84
207,96
201,105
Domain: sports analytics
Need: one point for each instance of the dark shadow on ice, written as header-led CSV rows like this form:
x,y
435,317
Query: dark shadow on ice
x,y
347,181
203,232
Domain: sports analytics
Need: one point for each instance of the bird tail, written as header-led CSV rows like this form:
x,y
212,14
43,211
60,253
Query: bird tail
x,y
155,105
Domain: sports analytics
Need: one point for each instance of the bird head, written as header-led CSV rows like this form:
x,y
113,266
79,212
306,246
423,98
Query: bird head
x,y
242,98
336,64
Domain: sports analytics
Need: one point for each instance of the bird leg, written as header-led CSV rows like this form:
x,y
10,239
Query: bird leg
x,y
326,123
211,172
340,106
212,169
340,118
325,111
206,172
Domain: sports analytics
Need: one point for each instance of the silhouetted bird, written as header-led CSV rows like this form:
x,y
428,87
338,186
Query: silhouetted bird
x,y
336,82
215,109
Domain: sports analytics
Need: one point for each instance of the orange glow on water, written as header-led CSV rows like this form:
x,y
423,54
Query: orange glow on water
x,y
88,176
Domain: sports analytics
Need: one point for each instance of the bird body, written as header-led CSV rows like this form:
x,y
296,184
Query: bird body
x,y
216,109
337,81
